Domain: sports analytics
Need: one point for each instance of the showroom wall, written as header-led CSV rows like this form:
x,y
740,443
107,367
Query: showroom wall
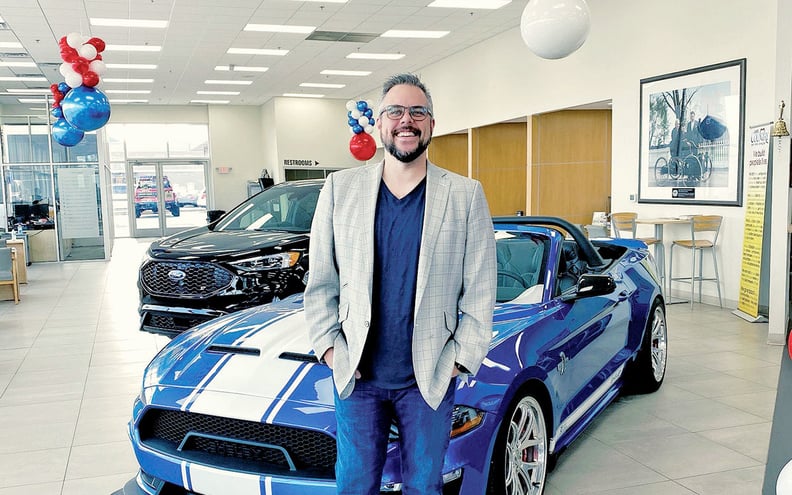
x,y
628,42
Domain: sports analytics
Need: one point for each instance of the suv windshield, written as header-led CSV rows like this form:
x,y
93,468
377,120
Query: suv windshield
x,y
288,206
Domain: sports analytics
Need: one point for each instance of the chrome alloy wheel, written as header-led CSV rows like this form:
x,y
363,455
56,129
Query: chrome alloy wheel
x,y
658,343
526,449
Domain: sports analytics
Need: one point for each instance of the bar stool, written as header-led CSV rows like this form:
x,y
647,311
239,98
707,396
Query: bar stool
x,y
625,222
704,231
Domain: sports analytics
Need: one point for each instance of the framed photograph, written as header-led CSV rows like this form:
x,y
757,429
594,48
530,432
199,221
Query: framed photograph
x,y
692,127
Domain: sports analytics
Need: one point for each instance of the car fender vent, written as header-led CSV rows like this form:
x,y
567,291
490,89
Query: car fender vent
x,y
230,349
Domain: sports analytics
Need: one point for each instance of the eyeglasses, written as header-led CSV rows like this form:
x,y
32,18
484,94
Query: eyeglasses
x,y
417,113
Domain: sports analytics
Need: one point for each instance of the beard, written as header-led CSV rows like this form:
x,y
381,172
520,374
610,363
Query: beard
x,y
405,156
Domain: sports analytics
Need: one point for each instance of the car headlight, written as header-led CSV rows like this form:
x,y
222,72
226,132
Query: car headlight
x,y
270,262
464,419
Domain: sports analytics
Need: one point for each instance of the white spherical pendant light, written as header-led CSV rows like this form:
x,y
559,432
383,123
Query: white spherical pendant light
x,y
553,29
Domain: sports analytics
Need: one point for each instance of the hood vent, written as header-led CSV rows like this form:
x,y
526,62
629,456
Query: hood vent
x,y
296,356
230,349
342,36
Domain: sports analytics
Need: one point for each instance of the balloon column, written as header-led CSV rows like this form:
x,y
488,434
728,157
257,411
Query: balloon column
x,y
361,122
77,105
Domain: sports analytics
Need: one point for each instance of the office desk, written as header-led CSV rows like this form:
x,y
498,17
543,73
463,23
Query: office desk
x,y
42,245
658,225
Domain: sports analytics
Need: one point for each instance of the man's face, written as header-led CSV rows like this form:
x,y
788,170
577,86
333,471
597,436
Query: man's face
x,y
405,138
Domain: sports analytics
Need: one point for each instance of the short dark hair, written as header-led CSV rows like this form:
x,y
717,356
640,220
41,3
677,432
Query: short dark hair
x,y
410,80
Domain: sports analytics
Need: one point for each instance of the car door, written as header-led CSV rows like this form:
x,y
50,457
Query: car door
x,y
589,345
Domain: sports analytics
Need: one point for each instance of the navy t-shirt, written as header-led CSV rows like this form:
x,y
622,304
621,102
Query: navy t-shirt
x,y
398,224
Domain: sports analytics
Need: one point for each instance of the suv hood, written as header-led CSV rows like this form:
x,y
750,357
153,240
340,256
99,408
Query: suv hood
x,y
203,243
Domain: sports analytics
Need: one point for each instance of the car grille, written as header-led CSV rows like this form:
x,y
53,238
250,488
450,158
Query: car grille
x,y
200,279
173,323
260,448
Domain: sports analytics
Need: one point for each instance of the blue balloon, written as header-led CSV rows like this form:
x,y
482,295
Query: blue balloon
x,y
357,129
57,112
64,134
712,127
352,122
372,121
86,108
63,87
369,113
362,105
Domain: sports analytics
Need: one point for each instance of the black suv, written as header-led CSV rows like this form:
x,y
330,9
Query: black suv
x,y
248,256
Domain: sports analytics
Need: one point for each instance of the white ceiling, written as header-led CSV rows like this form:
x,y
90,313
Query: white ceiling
x,y
200,32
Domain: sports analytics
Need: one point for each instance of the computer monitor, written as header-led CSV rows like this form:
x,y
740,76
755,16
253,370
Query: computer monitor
x,y
40,210
22,212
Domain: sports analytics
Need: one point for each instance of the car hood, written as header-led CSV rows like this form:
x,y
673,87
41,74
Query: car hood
x,y
203,243
259,362
235,366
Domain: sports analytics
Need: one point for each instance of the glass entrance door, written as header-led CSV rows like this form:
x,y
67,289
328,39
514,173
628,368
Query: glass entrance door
x,y
165,196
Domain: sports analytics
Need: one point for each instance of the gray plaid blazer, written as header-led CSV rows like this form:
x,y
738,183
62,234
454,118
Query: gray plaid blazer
x,y
456,276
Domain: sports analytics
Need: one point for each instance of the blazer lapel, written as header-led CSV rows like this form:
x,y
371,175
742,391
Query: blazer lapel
x,y
437,190
369,190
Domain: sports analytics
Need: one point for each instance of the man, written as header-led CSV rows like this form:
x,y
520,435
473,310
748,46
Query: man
x,y
400,296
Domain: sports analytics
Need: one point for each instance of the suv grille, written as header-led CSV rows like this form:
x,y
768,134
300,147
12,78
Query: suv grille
x,y
259,447
200,279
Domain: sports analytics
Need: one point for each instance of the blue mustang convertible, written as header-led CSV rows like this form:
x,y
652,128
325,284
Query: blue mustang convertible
x,y
239,405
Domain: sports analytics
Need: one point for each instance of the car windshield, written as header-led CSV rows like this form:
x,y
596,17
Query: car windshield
x,y
522,258
288,207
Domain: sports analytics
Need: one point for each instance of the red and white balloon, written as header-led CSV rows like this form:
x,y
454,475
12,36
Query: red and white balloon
x,y
77,104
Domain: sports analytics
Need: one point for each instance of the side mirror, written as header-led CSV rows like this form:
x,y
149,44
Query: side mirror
x,y
212,215
594,285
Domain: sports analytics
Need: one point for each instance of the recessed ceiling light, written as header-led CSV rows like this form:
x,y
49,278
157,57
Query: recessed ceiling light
x,y
122,100
10,44
127,91
125,80
280,28
303,95
257,51
31,100
133,48
228,81
23,78
131,66
222,102
357,73
143,23
29,91
17,64
226,93
376,56
322,85
241,68
470,4
324,1
401,33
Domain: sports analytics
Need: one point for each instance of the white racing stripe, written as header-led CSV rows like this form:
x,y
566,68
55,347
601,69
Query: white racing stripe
x,y
271,416
245,386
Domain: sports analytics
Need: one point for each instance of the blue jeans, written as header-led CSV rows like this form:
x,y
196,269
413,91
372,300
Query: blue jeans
x,y
364,420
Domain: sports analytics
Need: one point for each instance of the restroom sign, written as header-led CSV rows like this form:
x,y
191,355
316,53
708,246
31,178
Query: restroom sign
x,y
300,163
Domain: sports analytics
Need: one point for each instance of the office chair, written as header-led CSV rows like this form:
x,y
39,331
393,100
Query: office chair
x,y
8,271
704,231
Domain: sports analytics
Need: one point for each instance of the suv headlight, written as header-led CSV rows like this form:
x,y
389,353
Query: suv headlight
x,y
277,261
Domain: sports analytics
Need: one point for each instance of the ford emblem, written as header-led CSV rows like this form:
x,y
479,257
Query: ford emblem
x,y
176,275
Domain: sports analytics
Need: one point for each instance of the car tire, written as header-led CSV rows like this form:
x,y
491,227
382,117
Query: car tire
x,y
520,460
175,210
137,213
648,371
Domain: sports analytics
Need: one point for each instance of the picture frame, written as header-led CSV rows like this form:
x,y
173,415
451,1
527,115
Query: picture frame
x,y
692,134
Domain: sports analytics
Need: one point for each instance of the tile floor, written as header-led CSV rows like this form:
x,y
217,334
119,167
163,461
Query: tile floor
x,y
71,359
